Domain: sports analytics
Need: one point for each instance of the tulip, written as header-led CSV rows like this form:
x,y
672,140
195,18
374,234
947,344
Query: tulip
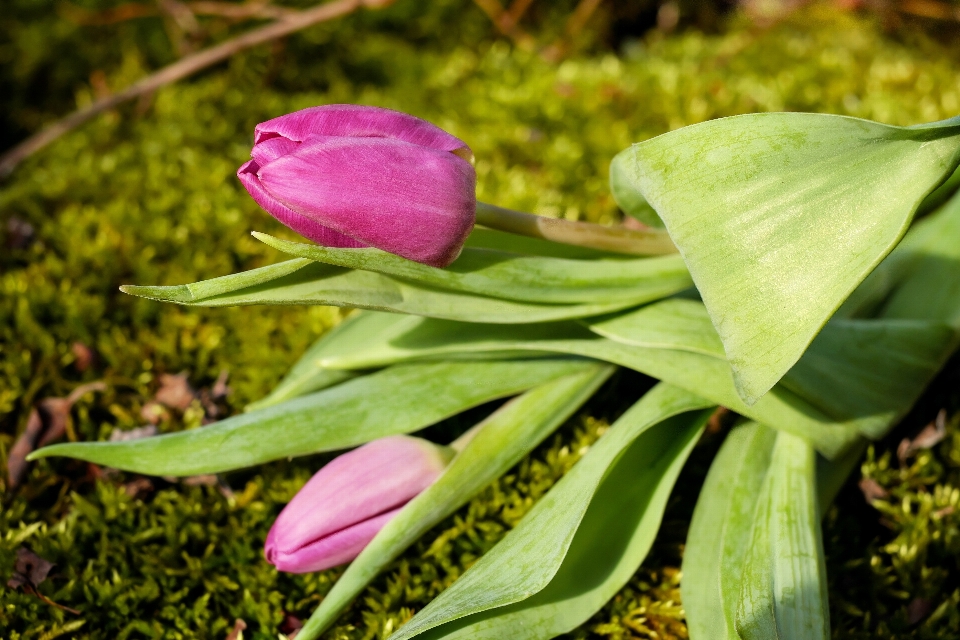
x,y
352,176
341,508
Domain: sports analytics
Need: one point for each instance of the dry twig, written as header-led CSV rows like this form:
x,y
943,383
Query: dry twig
x,y
181,69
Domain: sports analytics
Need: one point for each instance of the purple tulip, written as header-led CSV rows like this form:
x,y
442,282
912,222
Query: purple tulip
x,y
341,508
353,176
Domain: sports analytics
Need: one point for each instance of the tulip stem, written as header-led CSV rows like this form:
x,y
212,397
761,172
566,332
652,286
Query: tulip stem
x,y
583,234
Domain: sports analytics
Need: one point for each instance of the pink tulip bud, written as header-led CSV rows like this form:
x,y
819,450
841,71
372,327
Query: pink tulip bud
x,y
353,176
341,508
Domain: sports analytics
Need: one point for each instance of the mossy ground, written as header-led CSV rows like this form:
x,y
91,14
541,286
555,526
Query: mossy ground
x,y
147,195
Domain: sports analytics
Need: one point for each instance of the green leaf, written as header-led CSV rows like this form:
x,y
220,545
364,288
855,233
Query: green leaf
x,y
720,532
930,290
481,238
627,197
503,439
871,371
780,216
307,375
401,399
783,593
304,282
531,558
510,276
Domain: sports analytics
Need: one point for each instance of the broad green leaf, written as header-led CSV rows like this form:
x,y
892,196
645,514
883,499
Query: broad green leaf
x,y
870,370
401,399
307,282
674,341
531,556
308,376
930,290
780,216
783,593
511,276
502,440
614,537
720,532
627,197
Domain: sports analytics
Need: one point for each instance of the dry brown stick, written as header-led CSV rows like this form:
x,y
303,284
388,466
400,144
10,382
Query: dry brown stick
x,y
501,19
131,11
575,23
179,70
930,9
516,10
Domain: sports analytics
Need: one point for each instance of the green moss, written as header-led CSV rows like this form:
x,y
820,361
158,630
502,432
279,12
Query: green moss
x,y
151,199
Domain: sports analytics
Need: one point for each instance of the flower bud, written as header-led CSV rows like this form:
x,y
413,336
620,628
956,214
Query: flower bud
x,y
352,176
343,506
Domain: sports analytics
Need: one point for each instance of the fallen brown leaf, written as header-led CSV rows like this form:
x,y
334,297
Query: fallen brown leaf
x,y
119,435
175,391
17,459
138,486
84,356
918,609
20,233
47,422
237,632
56,412
872,490
929,437
30,569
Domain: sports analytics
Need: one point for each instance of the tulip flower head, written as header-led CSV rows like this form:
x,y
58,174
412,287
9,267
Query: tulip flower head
x,y
341,508
352,176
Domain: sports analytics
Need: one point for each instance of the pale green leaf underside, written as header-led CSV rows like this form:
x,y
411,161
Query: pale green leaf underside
x,y
506,436
407,398
524,563
783,590
630,201
780,216
511,276
674,341
719,535
302,281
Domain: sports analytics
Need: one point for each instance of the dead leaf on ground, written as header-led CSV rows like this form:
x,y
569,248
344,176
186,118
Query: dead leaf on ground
x,y
84,356
175,391
291,625
119,435
237,632
20,233
138,486
17,459
917,610
872,490
929,437
47,422
30,569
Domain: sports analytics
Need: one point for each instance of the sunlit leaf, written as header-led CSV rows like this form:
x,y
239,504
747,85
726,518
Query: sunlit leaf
x,y
504,438
780,216
783,593
511,276
530,559
401,399
627,197
305,282
719,535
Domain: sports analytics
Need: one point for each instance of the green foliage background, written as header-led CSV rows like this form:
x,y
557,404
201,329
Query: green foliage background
x,y
147,195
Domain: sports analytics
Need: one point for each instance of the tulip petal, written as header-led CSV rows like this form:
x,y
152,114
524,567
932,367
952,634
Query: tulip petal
x,y
357,121
412,201
307,227
265,152
331,551
354,488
